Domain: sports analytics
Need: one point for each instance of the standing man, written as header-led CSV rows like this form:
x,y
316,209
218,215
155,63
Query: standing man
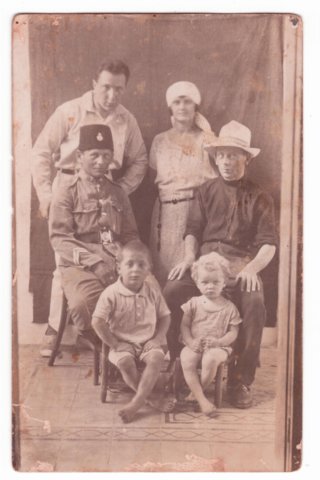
x,y
235,218
89,219
57,144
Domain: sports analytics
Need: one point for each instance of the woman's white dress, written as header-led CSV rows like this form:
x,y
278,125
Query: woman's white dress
x,y
180,169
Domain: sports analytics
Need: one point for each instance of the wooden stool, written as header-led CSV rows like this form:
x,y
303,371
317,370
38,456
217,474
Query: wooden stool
x,y
64,320
218,382
110,371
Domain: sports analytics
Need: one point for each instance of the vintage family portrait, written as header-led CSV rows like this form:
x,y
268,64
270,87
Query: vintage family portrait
x,y
157,317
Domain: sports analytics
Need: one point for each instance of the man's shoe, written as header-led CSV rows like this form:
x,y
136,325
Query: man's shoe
x,y
241,396
47,345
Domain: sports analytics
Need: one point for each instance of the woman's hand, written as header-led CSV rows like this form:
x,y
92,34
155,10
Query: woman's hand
x,y
179,270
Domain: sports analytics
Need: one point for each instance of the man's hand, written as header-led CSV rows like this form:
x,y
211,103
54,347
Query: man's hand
x,y
196,345
179,270
44,208
102,271
249,280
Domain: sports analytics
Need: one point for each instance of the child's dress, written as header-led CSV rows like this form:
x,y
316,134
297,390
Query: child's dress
x,y
207,319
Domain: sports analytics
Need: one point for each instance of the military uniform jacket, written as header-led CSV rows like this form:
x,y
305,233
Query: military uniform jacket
x,y
74,215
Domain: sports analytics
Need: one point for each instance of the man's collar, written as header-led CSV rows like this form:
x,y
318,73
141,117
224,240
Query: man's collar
x,y
117,116
88,178
129,293
232,183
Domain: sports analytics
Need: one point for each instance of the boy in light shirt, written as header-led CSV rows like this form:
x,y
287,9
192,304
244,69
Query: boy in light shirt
x,y
132,318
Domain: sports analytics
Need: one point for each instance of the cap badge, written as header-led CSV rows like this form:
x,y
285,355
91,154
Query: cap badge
x,y
99,137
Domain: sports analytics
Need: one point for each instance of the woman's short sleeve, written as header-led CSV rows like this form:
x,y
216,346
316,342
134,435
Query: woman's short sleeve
x,y
153,153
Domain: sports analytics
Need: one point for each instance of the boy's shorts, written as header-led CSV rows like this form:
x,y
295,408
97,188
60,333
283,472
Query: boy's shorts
x,y
114,357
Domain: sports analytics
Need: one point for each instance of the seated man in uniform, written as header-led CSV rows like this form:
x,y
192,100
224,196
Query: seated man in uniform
x,y
235,218
89,219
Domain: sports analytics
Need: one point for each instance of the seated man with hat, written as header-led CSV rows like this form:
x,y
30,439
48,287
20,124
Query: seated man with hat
x,y
234,217
88,220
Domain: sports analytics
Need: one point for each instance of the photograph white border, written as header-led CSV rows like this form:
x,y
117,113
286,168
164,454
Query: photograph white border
x,y
311,26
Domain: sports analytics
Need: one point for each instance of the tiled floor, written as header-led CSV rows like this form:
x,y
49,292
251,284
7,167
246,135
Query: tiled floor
x,y
65,427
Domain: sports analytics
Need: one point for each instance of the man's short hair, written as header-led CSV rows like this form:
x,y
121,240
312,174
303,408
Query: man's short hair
x,y
135,246
117,67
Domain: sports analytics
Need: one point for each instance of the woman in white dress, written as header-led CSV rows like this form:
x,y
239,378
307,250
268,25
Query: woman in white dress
x,y
179,164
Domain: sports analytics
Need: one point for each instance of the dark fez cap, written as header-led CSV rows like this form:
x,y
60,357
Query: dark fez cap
x,y
95,137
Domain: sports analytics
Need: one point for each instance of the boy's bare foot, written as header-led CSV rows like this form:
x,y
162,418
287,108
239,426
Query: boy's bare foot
x,y
127,413
164,404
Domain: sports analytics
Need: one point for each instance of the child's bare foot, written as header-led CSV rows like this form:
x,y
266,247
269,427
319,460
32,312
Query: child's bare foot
x,y
208,408
165,404
127,413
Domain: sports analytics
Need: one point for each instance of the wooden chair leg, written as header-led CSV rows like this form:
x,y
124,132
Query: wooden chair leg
x,y
177,377
104,373
96,365
64,318
218,388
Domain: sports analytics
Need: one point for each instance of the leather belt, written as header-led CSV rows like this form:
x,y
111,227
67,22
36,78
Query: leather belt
x,y
67,171
176,200
93,237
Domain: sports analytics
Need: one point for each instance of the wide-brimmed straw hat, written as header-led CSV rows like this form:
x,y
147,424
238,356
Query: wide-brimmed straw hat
x,y
233,134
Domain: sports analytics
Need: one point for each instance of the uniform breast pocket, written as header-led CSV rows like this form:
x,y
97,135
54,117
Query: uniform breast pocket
x,y
111,211
86,213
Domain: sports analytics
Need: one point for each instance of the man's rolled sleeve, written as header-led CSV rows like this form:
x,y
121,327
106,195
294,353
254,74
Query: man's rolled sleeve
x,y
266,224
47,144
137,160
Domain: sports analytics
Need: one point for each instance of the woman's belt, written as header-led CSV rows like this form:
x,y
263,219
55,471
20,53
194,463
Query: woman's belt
x,y
174,201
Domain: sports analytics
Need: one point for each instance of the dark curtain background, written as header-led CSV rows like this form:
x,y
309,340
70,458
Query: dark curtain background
x,y
235,60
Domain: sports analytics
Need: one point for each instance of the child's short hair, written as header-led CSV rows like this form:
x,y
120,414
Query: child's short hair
x,y
210,262
135,246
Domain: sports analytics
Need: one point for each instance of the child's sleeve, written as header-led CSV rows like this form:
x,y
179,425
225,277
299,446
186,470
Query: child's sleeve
x,y
105,305
161,305
234,315
188,308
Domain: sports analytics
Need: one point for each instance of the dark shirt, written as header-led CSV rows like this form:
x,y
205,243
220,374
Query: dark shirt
x,y
74,215
232,218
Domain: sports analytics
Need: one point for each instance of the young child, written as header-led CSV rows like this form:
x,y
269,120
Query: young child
x,y
209,326
132,317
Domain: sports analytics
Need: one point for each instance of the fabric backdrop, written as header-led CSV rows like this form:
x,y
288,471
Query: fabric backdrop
x,y
235,60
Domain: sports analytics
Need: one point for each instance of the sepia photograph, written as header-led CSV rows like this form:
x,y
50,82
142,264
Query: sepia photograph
x,y
157,242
